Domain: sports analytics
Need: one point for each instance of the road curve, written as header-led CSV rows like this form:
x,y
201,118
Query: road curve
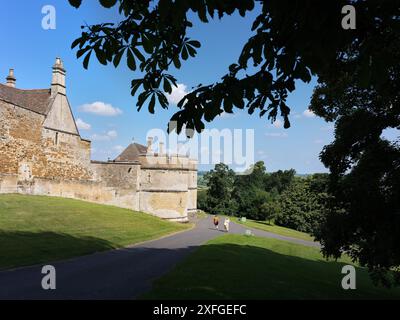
x,y
117,274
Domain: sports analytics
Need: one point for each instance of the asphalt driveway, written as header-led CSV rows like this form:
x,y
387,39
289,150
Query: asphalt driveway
x,y
118,274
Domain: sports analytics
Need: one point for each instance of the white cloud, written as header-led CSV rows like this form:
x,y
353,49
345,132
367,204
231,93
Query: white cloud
x,y
101,109
277,134
108,136
112,134
308,113
318,141
118,148
227,115
82,125
262,154
278,124
177,93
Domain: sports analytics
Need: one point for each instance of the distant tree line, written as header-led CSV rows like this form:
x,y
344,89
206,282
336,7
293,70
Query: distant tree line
x,y
280,197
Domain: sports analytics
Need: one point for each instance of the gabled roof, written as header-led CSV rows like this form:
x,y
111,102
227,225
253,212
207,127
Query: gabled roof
x,y
37,100
131,153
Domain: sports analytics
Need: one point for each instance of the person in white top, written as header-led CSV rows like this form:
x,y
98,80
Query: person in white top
x,y
226,224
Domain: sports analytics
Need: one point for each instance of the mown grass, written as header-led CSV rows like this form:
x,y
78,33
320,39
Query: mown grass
x,y
243,267
36,229
263,225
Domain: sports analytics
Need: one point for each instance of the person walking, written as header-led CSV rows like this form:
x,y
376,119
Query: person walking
x,y
216,221
226,224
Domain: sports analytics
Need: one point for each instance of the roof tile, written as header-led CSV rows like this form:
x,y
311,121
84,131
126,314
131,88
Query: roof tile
x,y
37,100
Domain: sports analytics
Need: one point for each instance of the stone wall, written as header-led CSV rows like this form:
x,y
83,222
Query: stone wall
x,y
123,178
29,150
41,159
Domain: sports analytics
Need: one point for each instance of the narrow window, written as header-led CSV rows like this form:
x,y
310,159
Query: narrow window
x,y
56,140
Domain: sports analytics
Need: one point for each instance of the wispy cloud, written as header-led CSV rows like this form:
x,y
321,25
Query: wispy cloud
x,y
262,154
101,109
227,115
108,136
82,125
277,134
308,113
177,93
278,124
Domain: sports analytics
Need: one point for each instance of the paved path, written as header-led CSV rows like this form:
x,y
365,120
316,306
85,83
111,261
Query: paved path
x,y
117,274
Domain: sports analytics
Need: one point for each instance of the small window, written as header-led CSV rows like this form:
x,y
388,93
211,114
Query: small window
x,y
56,139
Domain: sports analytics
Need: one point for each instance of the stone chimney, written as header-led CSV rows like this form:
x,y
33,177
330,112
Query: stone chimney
x,y
11,79
58,78
161,148
149,144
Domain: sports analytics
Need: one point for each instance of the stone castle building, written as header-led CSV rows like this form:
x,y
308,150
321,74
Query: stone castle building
x,y
42,153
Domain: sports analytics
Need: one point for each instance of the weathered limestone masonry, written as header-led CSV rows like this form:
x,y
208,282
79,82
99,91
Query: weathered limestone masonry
x,y
42,153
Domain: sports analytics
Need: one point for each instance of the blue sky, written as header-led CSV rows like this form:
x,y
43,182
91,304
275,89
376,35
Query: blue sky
x,y
31,51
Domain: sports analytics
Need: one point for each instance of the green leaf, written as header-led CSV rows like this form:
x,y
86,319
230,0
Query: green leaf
x,y
117,58
135,85
75,3
138,54
142,98
152,104
177,62
101,56
81,52
194,43
108,3
86,60
75,43
163,7
163,100
185,55
167,86
191,51
147,44
131,60
202,12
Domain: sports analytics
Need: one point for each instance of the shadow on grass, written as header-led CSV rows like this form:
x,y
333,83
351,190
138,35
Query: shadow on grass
x,y
231,271
19,248
212,271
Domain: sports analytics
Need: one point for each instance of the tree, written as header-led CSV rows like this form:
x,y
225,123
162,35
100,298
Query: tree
x,y
301,208
249,192
279,180
358,73
362,96
269,210
220,185
153,38
202,202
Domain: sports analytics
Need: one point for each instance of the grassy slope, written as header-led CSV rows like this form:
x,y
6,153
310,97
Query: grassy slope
x,y
240,267
263,225
35,229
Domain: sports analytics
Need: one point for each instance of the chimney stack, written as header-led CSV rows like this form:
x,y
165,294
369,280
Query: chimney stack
x,y
161,148
11,79
149,145
58,78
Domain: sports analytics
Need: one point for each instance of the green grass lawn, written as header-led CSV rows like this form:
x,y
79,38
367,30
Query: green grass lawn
x,y
242,267
36,229
263,225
